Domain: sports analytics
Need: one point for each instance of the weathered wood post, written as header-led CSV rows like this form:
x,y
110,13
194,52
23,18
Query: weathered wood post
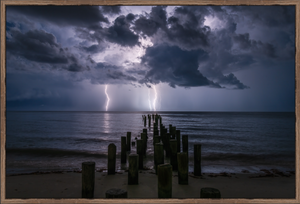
x,y
173,148
155,133
144,138
145,131
167,140
156,139
88,179
111,163
173,132
128,141
197,159
183,168
145,121
170,128
149,121
178,140
210,193
158,155
164,176
140,151
133,169
123,150
185,144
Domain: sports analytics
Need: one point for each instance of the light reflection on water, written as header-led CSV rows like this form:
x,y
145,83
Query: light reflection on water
x,y
106,123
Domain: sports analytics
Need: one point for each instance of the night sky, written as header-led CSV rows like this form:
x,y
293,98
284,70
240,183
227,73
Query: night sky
x,y
196,58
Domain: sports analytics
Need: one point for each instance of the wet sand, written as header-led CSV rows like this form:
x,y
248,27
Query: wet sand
x,y
266,184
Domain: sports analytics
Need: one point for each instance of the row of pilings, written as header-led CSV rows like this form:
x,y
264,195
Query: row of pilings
x,y
167,143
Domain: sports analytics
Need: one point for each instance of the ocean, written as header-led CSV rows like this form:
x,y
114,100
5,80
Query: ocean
x,y
231,141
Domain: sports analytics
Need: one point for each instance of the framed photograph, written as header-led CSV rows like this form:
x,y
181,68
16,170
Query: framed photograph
x,y
150,101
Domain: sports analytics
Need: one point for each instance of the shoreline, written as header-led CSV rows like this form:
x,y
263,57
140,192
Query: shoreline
x,y
59,184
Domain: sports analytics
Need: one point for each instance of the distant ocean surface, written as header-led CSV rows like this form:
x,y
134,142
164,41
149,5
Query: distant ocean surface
x,y
231,141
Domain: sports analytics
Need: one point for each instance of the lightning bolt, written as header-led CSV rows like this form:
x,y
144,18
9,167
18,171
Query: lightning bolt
x,y
106,97
149,99
154,101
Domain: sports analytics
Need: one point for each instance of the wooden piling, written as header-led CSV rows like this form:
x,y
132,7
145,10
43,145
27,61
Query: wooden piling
x,y
197,159
156,139
111,157
133,169
167,139
183,168
155,132
158,155
170,128
178,140
140,151
123,150
164,177
144,138
173,159
88,179
128,142
173,132
185,144
210,193
145,131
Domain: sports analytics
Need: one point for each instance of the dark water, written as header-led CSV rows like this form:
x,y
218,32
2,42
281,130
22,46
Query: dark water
x,y
231,142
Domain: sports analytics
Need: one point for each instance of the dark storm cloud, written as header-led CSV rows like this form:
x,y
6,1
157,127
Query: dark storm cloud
x,y
192,54
231,80
255,46
111,9
82,16
120,75
121,33
95,48
40,46
149,24
37,45
273,16
174,66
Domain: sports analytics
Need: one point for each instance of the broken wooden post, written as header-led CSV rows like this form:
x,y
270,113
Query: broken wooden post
x,y
123,150
140,151
183,168
128,142
197,159
88,179
210,193
173,159
178,140
158,155
164,177
133,169
111,157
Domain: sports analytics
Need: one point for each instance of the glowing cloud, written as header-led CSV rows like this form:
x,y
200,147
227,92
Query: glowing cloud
x,y
106,97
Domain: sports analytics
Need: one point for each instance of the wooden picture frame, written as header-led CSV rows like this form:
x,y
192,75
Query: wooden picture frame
x,y
5,3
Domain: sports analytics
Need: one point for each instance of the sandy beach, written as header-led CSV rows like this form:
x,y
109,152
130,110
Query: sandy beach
x,y
268,184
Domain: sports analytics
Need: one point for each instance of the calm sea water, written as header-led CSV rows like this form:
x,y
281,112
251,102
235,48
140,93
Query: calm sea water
x,y
231,142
